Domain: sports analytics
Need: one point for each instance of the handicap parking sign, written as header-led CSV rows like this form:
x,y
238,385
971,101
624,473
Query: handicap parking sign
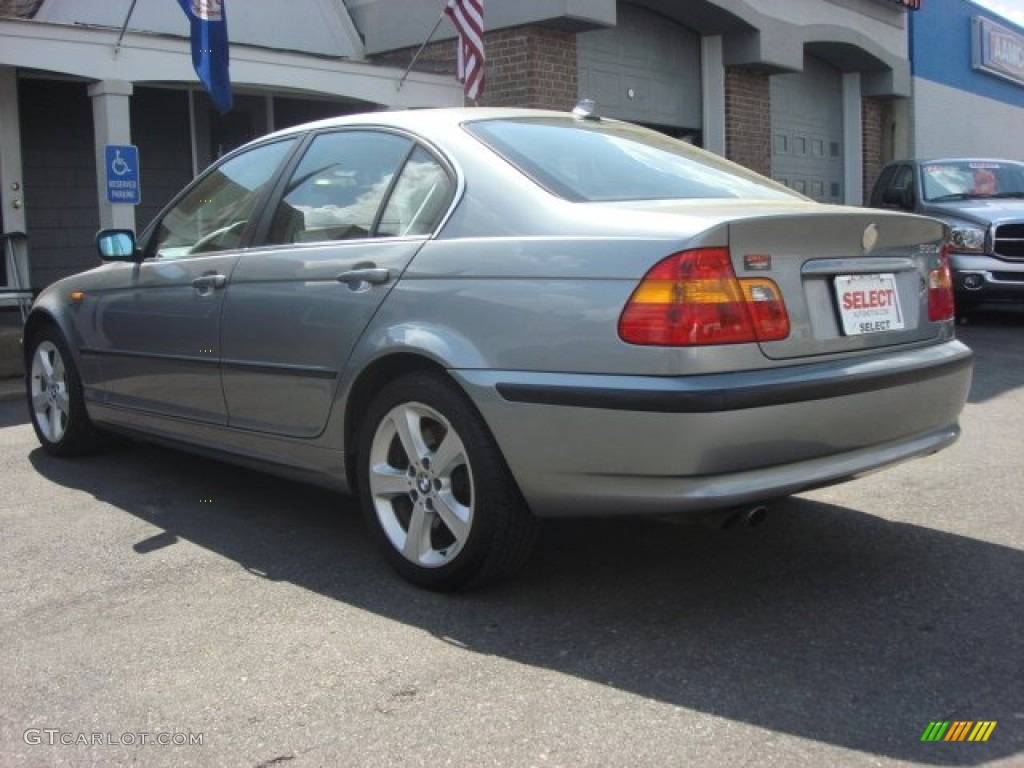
x,y
122,172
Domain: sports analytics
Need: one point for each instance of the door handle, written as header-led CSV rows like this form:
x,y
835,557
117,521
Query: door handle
x,y
207,284
359,276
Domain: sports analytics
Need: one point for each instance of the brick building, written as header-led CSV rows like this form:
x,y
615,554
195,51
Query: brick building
x,y
800,90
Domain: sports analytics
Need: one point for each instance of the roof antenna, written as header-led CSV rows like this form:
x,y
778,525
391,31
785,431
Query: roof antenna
x,y
586,109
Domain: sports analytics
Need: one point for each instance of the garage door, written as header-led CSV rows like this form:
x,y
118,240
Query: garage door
x,y
807,130
646,69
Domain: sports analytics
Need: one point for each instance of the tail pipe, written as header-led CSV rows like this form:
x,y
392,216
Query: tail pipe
x,y
738,517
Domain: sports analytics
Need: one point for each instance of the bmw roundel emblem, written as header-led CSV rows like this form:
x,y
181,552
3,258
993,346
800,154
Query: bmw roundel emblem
x,y
870,237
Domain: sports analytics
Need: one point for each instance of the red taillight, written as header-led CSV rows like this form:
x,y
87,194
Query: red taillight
x,y
693,298
940,290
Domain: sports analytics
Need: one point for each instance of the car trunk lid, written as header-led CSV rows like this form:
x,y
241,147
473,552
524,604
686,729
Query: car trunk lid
x,y
851,280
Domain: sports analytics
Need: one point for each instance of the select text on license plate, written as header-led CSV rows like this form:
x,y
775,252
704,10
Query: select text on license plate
x,y
868,303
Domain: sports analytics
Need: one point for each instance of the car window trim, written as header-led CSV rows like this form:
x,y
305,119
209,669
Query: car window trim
x,y
385,200
277,191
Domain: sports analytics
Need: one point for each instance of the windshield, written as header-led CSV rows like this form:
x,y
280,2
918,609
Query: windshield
x,y
610,161
963,179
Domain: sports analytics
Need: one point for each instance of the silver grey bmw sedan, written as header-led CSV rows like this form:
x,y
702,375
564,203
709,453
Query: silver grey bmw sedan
x,y
476,318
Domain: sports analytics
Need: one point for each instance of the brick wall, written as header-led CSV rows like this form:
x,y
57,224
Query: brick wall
x,y
526,67
59,167
871,121
531,67
748,122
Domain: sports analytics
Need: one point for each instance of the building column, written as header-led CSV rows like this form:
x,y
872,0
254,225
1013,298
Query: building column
x,y
853,141
712,73
12,195
111,102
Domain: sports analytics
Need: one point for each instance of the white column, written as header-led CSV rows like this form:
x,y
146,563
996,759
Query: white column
x,y
712,76
853,140
12,196
111,101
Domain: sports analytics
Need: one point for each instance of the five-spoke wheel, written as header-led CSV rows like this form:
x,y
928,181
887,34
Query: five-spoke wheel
x,y
55,400
421,484
49,392
435,487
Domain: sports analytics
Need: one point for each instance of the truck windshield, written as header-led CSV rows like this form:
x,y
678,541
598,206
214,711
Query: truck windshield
x,y
963,179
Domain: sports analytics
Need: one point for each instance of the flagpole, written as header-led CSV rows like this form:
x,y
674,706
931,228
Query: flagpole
x,y
120,37
426,42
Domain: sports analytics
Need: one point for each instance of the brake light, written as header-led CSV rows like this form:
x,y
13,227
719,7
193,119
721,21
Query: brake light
x,y
940,290
693,298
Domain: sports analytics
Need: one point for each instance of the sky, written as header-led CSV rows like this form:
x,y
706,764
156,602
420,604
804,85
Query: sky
x,y
1011,9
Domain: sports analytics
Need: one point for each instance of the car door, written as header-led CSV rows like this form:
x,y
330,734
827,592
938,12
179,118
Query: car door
x,y
158,334
901,190
354,212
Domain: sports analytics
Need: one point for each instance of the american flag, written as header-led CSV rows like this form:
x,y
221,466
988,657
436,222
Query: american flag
x,y
468,18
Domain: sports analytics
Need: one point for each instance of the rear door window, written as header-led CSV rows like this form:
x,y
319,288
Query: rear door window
x,y
337,190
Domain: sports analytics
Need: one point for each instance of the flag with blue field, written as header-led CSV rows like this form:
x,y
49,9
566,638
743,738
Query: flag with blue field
x,y
210,48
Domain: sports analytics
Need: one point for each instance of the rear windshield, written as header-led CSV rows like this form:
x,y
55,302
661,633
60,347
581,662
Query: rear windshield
x,y
583,160
963,179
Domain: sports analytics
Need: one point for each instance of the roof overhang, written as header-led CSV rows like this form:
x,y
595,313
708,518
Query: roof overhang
x,y
90,53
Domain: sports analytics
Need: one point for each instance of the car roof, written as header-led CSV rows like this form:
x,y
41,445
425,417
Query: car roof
x,y
433,119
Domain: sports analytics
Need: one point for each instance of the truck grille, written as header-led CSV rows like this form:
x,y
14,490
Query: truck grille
x,y
1010,241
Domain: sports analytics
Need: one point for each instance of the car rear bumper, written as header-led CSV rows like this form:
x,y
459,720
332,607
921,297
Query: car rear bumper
x,y
620,445
980,278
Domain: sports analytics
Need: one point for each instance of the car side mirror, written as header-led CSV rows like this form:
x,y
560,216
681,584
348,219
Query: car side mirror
x,y
902,197
117,245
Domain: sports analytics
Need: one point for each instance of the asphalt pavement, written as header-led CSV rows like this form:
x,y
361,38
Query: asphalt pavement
x,y
148,595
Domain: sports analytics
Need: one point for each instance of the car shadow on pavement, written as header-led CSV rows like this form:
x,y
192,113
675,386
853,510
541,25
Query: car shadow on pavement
x,y
14,416
825,623
997,338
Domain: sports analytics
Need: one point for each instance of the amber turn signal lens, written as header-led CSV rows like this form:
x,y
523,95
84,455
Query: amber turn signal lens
x,y
693,298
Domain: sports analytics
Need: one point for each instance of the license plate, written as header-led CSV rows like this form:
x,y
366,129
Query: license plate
x,y
868,304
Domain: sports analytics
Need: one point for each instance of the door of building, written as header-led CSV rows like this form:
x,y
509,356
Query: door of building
x,y
646,70
807,131
15,287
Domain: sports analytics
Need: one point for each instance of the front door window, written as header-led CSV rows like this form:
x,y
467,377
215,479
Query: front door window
x,y
215,214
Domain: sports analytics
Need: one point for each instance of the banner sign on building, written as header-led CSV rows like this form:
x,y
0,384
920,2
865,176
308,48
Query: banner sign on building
x,y
998,50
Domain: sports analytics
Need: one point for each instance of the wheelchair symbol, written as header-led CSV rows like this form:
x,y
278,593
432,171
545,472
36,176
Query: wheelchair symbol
x,y
118,164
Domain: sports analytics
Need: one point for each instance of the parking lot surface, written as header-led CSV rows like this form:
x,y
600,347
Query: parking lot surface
x,y
161,609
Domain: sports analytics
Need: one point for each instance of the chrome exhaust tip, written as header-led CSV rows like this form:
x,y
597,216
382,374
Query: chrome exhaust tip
x,y
736,517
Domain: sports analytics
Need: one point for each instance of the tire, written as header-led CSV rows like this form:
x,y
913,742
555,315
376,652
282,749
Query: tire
x,y
55,403
435,489
964,311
